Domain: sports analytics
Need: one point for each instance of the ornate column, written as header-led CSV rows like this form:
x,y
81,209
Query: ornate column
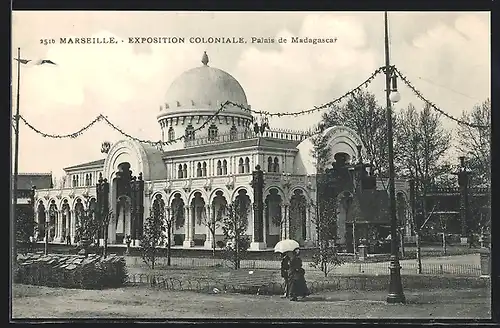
x,y
265,223
192,226
47,222
258,209
72,226
62,233
59,225
188,237
112,229
210,218
56,226
287,220
37,220
308,241
68,228
168,213
283,226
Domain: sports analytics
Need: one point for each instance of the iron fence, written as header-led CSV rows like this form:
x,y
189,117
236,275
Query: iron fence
x,y
380,268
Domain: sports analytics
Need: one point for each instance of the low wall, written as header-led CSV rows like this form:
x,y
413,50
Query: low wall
x,y
331,283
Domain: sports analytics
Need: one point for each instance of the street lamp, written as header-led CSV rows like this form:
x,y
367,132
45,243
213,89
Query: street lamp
x,y
396,294
394,96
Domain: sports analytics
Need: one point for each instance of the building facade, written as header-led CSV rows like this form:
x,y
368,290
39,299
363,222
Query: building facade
x,y
209,168
27,183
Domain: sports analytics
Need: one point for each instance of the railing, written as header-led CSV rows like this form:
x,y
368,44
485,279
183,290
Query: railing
x,y
222,138
382,268
456,190
444,190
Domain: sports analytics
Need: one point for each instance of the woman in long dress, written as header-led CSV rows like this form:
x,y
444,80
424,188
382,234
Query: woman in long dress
x,y
285,266
296,277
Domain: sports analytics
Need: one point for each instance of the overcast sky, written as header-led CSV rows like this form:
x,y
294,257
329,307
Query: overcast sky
x,y
445,55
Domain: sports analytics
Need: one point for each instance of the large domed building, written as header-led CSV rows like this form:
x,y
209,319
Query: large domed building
x,y
191,179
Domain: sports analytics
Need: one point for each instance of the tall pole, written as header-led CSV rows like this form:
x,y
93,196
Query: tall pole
x,y
395,286
16,162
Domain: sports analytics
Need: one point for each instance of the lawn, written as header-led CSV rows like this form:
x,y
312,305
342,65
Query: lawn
x,y
143,302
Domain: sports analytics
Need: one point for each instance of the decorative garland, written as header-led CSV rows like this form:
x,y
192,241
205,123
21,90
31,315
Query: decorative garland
x,y
433,106
101,117
316,108
160,143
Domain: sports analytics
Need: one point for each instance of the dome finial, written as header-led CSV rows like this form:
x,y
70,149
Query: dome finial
x,y
204,59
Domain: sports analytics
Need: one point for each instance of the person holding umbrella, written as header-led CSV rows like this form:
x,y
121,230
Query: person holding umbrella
x,y
295,283
296,277
282,247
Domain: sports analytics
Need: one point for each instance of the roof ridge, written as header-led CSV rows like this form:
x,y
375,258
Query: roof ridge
x,y
34,173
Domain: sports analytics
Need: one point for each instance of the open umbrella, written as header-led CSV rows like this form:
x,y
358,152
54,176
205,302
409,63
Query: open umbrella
x,y
286,245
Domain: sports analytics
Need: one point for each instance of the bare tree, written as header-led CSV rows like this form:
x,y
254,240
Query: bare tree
x,y
214,223
422,144
325,256
171,221
153,237
475,142
235,224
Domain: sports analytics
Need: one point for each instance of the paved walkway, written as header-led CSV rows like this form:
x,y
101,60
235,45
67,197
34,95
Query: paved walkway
x,y
136,302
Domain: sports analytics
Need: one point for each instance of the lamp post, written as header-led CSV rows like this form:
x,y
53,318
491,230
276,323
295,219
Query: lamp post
x,y
16,165
395,286
463,182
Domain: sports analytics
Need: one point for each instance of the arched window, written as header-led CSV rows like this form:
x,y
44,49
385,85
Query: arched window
x,y
171,133
185,171
219,167
180,172
241,166
276,166
198,170
224,167
247,165
189,132
77,184
90,179
87,181
212,132
269,164
204,169
232,133
73,181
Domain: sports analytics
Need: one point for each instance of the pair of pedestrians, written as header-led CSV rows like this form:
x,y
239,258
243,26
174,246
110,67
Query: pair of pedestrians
x,y
294,275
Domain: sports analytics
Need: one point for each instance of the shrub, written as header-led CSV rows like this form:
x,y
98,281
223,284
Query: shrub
x,y
234,254
70,271
326,258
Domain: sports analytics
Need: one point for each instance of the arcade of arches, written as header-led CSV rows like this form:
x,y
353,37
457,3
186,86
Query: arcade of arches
x,y
283,218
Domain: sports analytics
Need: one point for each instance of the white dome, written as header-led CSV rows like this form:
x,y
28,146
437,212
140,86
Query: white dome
x,y
203,88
